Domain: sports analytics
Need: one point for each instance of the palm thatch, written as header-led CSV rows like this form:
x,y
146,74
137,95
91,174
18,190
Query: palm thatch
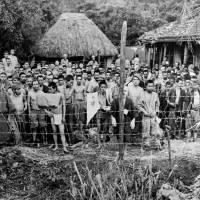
x,y
75,35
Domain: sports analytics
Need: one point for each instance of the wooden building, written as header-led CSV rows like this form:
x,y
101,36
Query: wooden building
x,y
178,40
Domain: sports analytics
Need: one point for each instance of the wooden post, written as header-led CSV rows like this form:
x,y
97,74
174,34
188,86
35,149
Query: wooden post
x,y
174,52
154,56
160,55
146,53
121,90
165,51
99,57
185,59
193,60
169,148
84,60
149,57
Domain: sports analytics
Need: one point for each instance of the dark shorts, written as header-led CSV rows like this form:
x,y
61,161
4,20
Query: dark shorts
x,y
69,112
37,119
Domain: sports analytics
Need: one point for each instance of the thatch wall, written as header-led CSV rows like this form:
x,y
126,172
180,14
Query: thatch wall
x,y
75,35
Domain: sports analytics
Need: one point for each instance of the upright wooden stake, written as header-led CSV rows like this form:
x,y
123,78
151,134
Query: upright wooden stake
x,y
165,51
149,57
121,90
146,53
160,55
154,56
99,57
185,59
169,148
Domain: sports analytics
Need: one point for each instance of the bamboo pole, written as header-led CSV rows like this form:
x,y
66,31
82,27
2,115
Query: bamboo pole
x,y
121,89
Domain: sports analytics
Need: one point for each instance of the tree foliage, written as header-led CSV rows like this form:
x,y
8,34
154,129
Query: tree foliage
x,y
23,22
141,16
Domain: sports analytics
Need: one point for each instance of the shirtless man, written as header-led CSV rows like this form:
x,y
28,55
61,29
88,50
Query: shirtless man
x,y
57,116
36,115
79,93
18,119
69,102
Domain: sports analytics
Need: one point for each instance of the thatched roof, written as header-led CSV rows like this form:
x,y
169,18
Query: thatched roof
x,y
75,35
174,32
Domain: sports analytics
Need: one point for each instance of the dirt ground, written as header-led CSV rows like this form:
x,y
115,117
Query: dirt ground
x,y
185,157
179,149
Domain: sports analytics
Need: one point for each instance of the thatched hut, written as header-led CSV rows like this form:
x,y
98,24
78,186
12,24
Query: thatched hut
x,y
75,35
178,40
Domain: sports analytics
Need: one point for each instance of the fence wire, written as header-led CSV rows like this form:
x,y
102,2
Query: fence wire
x,y
77,129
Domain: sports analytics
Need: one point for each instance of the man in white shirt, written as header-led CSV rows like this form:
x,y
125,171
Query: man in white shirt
x,y
4,59
13,58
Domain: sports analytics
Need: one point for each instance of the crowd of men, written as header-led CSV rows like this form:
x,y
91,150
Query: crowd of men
x,y
154,98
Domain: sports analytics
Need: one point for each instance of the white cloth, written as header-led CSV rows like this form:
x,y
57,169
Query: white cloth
x,y
92,105
113,121
57,119
109,95
133,124
178,94
196,99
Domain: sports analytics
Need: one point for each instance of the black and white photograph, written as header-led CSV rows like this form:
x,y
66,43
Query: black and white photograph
x,y
99,99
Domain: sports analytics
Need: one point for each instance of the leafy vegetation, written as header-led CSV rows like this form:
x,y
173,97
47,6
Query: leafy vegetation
x,y
23,22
